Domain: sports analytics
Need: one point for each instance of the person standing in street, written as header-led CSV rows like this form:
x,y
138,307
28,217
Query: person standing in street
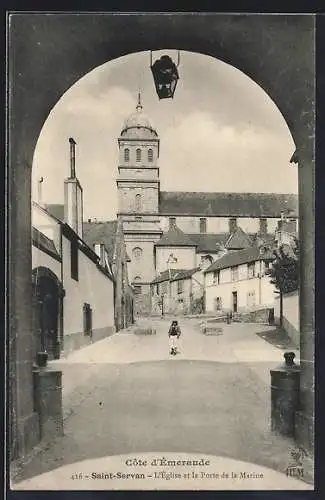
x,y
174,333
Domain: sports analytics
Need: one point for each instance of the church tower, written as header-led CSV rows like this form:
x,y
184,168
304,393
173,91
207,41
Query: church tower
x,y
138,188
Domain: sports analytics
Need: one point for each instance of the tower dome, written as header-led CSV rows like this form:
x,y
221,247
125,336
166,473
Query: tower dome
x,y
138,126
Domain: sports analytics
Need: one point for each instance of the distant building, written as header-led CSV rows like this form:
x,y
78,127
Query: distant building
x,y
178,292
152,219
109,236
239,282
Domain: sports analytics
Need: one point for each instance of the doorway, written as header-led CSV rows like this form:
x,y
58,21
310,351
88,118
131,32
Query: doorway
x,y
234,302
47,311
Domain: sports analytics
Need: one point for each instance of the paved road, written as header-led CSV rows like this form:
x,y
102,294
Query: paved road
x,y
127,395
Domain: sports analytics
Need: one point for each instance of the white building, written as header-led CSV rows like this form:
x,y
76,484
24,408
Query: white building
x,y
238,281
73,287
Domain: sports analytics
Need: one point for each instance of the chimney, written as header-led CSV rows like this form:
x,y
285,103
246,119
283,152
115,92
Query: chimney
x,y
232,224
72,158
263,226
39,191
73,195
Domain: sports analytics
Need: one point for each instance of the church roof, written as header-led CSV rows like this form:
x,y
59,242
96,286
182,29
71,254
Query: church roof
x,y
238,240
138,125
166,275
175,237
206,242
236,258
101,232
228,204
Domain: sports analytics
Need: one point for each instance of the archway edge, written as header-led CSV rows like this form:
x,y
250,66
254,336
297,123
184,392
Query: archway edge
x,y
45,272
49,53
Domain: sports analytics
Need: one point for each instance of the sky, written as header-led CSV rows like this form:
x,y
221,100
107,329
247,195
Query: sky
x,y
221,132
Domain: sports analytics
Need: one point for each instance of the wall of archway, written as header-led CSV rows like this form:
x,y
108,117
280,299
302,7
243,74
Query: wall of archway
x,y
49,53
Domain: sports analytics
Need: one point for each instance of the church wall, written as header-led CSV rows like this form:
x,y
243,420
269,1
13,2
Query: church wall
x,y
191,224
185,256
127,201
142,266
138,173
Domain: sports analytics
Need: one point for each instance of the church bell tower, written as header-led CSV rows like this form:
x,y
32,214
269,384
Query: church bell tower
x,y
138,188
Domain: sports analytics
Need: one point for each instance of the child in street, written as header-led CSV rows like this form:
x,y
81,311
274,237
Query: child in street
x,y
174,334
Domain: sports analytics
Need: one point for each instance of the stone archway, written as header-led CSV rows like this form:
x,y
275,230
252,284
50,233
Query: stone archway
x,y
49,53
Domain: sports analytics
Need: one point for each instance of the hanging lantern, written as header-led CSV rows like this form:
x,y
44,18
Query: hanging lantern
x,y
165,74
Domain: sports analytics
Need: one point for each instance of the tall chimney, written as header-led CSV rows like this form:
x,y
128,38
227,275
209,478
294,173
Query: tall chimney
x,y
39,191
72,158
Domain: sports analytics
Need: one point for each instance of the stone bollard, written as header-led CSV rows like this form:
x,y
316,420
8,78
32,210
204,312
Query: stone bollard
x,y
285,396
48,402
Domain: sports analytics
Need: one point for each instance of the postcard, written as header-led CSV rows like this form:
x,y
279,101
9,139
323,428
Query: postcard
x,y
161,218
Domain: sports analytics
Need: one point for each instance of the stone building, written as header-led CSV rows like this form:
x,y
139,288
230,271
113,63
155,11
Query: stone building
x,y
152,218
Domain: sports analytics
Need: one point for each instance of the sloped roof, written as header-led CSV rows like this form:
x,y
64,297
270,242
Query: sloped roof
x,y
227,204
175,237
56,210
166,275
182,275
237,257
238,240
206,242
101,232
42,242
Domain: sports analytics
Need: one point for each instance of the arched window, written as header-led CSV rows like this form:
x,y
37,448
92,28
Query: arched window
x,y
138,202
137,253
138,154
150,155
137,279
126,155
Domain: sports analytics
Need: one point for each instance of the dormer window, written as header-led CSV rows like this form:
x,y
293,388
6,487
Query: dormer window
x,y
126,155
150,155
138,154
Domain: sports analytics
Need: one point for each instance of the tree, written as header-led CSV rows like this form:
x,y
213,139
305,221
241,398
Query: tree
x,y
285,271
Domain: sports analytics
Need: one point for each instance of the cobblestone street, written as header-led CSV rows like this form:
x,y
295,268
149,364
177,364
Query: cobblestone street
x,y
125,395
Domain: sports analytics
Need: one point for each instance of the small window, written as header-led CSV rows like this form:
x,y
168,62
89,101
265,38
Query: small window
x,y
137,254
203,225
87,319
138,154
126,155
180,286
138,218
150,155
234,273
216,277
138,202
251,270
74,260
137,289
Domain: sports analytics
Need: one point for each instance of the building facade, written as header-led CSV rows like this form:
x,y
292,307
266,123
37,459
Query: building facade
x,y
205,220
239,282
73,292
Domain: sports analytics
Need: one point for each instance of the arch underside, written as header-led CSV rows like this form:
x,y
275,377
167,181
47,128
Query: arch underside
x,y
277,52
